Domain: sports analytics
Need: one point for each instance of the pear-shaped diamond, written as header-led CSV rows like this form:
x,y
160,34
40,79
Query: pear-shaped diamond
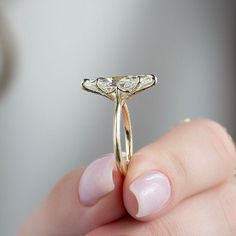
x,y
147,79
107,85
128,83
90,85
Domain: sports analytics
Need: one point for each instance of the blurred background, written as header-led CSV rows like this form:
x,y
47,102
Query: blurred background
x,y
49,126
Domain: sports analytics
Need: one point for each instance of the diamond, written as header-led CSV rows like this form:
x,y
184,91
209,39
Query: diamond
x,y
90,85
123,86
107,85
128,84
146,79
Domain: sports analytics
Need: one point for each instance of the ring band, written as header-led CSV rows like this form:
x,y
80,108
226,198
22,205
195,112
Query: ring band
x,y
122,159
119,89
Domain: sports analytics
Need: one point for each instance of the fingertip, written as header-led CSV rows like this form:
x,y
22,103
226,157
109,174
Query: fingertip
x,y
146,192
97,180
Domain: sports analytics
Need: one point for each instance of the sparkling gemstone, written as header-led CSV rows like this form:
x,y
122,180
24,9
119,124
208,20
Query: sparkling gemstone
x,y
90,85
128,83
146,79
107,85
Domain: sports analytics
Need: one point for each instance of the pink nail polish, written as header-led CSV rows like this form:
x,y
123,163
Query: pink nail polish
x,y
152,191
97,180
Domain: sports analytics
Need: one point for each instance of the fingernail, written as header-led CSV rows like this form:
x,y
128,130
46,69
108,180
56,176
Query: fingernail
x,y
152,191
97,180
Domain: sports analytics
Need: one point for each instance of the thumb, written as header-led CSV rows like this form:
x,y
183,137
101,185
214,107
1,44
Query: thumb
x,y
81,201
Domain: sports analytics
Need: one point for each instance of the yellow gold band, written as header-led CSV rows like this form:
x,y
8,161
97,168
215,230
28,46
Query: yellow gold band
x,y
122,159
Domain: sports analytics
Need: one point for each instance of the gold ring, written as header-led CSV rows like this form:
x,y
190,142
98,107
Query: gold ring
x,y
119,89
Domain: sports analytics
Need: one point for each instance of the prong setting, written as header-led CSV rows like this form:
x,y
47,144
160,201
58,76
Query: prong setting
x,y
125,85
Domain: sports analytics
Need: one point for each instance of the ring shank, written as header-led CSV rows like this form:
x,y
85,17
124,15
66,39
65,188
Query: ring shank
x,y
122,159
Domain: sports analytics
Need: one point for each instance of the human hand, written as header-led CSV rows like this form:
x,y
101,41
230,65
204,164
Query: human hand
x,y
183,184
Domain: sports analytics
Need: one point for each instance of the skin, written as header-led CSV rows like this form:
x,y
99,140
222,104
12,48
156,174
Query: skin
x,y
199,159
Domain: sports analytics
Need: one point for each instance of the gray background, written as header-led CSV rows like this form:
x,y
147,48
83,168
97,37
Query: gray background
x,y
48,125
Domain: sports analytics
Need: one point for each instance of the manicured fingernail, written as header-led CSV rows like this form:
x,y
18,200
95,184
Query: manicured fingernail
x,y
152,191
97,180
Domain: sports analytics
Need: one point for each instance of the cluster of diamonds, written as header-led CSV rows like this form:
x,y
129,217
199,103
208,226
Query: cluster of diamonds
x,y
126,85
